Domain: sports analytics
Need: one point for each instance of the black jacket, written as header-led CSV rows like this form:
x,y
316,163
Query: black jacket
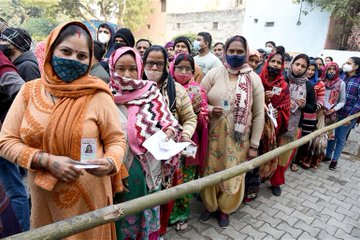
x,y
27,66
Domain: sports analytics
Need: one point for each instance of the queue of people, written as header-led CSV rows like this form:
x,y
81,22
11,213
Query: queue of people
x,y
99,100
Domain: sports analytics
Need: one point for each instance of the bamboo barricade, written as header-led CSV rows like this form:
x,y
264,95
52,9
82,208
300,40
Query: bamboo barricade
x,y
113,213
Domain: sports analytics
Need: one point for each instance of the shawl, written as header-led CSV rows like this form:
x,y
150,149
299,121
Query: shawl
x,y
314,79
200,136
243,96
332,85
6,65
147,114
62,135
39,52
280,102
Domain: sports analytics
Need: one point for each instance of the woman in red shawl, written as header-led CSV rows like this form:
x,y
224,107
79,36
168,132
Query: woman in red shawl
x,y
277,94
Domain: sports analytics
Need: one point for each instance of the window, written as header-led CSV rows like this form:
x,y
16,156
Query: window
x,y
269,24
178,26
148,26
215,25
238,3
163,5
256,20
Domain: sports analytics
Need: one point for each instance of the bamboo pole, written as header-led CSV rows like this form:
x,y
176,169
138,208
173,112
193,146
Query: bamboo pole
x,y
113,213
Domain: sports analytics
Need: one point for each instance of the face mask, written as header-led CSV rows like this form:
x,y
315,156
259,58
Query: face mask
x,y
272,71
330,76
119,45
183,78
103,37
5,49
235,61
68,70
268,50
347,68
153,75
196,45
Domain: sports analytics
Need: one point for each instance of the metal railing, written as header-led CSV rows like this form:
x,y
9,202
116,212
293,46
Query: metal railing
x,y
112,213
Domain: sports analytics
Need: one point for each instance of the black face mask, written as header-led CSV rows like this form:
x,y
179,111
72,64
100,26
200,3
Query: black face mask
x,y
5,49
273,71
119,45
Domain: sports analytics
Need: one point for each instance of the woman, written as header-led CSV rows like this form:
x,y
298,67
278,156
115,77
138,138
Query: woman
x,y
47,128
179,103
312,121
183,73
254,59
352,106
137,100
236,110
302,98
169,46
277,94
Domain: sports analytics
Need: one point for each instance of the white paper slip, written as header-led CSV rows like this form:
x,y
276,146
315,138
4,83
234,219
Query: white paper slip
x,y
276,90
270,113
162,150
191,150
87,166
194,89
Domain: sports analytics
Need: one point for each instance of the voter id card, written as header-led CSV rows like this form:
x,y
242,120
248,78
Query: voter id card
x,y
191,151
88,149
276,90
225,104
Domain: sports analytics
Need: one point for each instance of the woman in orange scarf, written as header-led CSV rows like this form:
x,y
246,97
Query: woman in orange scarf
x,y
49,126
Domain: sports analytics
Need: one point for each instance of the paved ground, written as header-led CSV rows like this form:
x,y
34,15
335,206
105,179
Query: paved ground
x,y
319,204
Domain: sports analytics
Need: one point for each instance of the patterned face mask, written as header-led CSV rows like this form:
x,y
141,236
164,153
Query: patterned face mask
x,y
68,70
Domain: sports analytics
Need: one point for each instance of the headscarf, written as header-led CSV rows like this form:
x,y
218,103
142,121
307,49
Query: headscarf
x,y
332,85
127,35
244,90
39,52
185,40
169,44
17,37
298,79
62,135
314,79
6,65
147,114
255,52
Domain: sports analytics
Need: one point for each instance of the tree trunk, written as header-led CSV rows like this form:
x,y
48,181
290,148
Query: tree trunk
x,y
122,10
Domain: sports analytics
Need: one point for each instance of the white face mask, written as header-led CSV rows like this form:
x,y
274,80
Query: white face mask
x,y
268,50
347,68
153,75
103,37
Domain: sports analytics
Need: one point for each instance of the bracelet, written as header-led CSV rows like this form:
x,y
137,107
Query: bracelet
x,y
40,155
255,149
112,164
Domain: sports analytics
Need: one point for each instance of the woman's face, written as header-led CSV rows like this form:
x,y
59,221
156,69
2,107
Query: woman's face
x,y
125,66
181,47
319,63
235,48
170,52
310,71
184,67
276,61
254,61
74,48
352,64
299,67
155,61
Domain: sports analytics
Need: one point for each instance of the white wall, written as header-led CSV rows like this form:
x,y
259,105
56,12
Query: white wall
x,y
309,37
190,6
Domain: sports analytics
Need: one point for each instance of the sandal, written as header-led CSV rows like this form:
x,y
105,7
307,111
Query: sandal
x,y
181,226
294,167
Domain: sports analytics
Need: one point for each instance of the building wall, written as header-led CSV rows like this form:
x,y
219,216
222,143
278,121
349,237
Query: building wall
x,y
229,22
189,6
309,37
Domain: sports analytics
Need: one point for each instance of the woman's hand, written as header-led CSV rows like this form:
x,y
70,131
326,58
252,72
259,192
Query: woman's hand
x,y
62,169
196,103
169,134
252,153
301,103
217,111
105,167
329,112
268,96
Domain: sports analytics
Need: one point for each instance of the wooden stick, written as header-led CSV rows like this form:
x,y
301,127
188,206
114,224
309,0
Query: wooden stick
x,y
113,213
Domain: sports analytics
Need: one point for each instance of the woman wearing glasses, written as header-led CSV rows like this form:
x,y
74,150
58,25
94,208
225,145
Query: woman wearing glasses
x,y
182,70
155,69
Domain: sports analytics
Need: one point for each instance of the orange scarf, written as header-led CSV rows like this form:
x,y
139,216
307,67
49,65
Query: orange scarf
x,y
63,133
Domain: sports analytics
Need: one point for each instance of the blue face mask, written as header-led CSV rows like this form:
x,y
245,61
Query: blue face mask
x,y
235,61
330,76
68,70
196,45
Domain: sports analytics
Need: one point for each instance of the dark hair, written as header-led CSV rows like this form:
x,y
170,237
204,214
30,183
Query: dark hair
x,y
143,40
356,60
185,40
71,30
219,43
260,50
236,38
157,48
287,57
207,37
271,42
280,49
319,58
185,56
331,59
99,50
303,56
104,25
276,53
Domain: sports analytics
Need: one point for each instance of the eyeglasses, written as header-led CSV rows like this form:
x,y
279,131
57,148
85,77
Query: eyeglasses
x,y
181,69
151,64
